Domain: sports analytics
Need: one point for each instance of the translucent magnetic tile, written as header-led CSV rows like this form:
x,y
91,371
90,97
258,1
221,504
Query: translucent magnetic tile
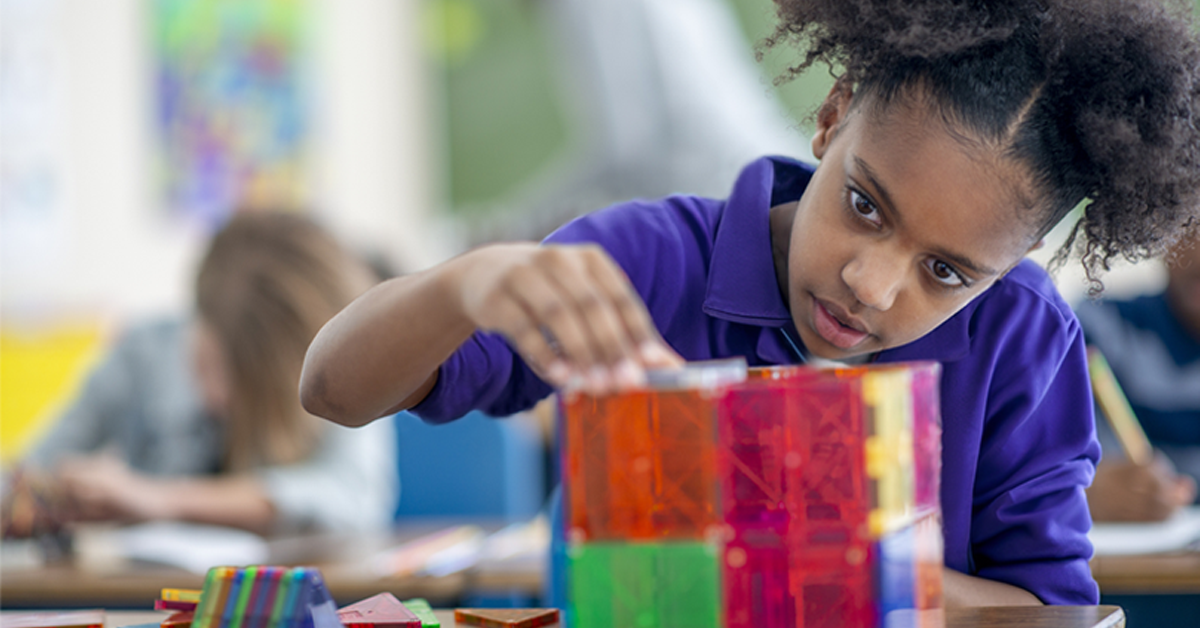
x,y
641,465
652,585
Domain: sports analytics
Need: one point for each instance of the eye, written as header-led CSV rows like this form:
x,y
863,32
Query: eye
x,y
945,274
864,208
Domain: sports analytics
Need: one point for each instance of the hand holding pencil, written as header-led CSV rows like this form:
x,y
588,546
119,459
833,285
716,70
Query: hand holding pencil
x,y
1144,486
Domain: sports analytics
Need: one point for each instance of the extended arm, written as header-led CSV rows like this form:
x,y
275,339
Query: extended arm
x,y
382,352
961,590
568,310
104,488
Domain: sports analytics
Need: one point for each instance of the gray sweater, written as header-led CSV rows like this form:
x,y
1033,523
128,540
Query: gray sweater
x,y
141,403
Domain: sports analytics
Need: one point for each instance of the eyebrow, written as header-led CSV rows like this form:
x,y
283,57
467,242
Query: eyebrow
x,y
881,190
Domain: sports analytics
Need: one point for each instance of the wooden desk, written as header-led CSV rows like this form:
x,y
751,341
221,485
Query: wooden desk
x,y
990,617
1173,574
343,561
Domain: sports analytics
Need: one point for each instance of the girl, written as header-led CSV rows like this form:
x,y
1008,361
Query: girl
x,y
200,419
958,134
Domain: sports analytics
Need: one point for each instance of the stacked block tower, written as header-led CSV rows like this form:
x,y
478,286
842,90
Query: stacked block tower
x,y
773,498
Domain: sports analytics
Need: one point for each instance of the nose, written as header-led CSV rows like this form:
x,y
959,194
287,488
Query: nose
x,y
875,276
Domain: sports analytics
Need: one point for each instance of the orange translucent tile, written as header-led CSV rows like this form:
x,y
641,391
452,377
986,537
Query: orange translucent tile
x,y
641,465
507,617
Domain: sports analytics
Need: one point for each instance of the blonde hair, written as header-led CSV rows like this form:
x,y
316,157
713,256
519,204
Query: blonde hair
x,y
267,284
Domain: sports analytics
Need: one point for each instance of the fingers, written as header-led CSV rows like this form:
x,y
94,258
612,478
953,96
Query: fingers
x,y
572,314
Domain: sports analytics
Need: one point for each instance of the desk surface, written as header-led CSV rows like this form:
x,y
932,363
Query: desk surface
x,y
989,617
343,561
1158,573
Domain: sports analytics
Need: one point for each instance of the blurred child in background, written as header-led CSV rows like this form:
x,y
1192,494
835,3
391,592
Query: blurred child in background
x,y
198,419
1153,345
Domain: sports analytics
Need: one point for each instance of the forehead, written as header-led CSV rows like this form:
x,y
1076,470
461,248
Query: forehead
x,y
951,190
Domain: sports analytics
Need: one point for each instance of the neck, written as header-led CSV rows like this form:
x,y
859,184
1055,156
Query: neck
x,y
781,218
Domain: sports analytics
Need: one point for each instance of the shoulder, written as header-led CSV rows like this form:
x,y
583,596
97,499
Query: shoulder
x,y
1021,331
154,336
650,238
1026,303
670,218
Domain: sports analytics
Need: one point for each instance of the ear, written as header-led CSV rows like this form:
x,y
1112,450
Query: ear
x,y
830,117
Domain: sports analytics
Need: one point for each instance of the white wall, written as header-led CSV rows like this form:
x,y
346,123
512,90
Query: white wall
x,y
105,248
1125,280
380,166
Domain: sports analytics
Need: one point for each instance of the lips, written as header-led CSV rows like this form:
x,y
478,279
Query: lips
x,y
832,328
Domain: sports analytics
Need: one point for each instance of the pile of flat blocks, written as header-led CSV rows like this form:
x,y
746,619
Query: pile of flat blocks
x,y
778,497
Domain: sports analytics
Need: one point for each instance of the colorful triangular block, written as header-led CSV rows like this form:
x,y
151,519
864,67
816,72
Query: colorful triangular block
x,y
507,617
265,597
379,611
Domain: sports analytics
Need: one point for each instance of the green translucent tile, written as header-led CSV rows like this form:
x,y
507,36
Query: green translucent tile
x,y
689,586
420,607
644,585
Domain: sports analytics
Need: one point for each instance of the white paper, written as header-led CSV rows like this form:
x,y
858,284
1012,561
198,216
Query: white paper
x,y
1178,533
193,547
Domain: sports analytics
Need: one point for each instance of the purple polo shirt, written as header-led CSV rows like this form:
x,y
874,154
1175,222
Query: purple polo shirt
x,y
1018,444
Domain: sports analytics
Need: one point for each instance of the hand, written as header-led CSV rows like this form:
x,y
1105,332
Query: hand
x,y
104,488
568,310
32,505
1124,491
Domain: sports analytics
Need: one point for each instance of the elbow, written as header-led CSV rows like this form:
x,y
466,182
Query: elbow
x,y
318,400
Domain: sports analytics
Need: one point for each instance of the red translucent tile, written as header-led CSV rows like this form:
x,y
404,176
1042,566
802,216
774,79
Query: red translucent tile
x,y
756,580
174,605
927,435
754,451
180,619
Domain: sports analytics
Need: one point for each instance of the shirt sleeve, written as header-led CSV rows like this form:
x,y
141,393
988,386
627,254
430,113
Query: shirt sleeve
x,y
91,419
1037,454
350,483
486,374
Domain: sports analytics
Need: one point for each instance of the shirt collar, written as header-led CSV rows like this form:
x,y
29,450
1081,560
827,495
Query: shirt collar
x,y
742,286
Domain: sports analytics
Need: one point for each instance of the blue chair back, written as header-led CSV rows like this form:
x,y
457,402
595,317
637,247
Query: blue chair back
x,y
477,466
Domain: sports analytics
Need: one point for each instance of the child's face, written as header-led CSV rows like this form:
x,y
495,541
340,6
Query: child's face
x,y
210,369
901,226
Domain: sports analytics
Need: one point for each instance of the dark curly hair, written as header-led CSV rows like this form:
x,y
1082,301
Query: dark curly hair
x,y
1098,98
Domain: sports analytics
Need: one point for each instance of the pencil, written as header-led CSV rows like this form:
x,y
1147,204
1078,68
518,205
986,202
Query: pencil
x,y
1116,409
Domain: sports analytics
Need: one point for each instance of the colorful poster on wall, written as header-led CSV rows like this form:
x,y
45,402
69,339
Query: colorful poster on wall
x,y
232,105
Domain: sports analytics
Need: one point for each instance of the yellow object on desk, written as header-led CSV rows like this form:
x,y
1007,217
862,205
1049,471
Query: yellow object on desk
x,y
1117,410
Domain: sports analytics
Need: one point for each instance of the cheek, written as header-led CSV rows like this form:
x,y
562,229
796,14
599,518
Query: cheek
x,y
821,246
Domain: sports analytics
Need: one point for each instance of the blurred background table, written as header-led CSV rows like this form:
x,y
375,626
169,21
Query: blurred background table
x,y
988,617
345,561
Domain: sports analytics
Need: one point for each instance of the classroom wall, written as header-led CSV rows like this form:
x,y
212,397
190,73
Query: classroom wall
x,y
97,243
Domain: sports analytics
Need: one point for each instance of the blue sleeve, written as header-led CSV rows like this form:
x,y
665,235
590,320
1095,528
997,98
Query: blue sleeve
x,y
483,374
486,374
1037,454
